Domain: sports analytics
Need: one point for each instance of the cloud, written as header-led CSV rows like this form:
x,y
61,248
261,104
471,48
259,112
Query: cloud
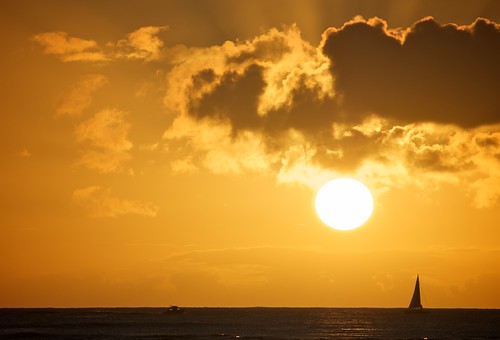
x,y
142,44
428,72
246,82
69,48
277,81
106,135
185,166
237,95
99,202
233,155
393,107
79,97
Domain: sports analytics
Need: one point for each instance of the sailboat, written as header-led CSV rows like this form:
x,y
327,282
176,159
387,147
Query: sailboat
x,y
415,303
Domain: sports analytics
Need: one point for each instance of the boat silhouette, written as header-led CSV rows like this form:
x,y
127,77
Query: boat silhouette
x,y
174,310
415,303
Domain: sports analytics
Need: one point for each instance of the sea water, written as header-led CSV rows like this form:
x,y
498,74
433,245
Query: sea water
x,y
248,323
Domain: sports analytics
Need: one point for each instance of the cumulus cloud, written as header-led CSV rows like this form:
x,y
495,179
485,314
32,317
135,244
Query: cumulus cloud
x,y
99,202
243,96
69,48
391,106
106,135
79,97
233,155
246,82
428,72
392,156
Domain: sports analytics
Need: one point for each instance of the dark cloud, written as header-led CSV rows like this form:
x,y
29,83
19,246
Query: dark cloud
x,y
488,140
433,72
347,153
307,112
234,98
427,73
394,106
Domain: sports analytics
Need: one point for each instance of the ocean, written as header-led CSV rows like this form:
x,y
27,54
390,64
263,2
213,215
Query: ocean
x,y
248,323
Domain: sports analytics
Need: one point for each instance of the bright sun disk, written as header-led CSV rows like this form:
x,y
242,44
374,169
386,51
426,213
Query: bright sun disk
x,y
344,203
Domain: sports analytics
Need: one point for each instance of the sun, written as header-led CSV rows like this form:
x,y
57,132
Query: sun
x,y
344,203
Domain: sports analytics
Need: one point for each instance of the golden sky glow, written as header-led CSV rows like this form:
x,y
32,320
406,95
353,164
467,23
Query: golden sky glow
x,y
169,152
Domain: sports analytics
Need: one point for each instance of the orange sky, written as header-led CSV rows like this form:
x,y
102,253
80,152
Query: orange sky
x,y
168,152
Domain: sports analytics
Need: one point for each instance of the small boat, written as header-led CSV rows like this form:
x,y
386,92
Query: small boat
x,y
415,303
174,310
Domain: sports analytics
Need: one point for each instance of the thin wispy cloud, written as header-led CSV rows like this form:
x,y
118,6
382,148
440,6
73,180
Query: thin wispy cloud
x,y
99,202
106,137
69,48
142,44
79,97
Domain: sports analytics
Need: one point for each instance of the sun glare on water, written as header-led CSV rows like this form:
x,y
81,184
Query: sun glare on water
x,y
344,203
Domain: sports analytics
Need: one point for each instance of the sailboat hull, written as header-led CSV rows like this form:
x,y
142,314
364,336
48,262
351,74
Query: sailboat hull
x,y
416,311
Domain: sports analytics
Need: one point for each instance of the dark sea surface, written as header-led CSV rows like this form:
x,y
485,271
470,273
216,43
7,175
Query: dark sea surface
x,y
248,323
